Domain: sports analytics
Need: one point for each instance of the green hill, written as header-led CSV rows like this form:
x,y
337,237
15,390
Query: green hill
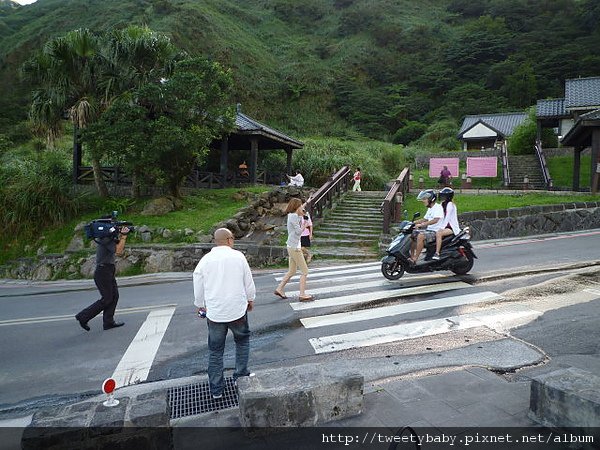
x,y
338,67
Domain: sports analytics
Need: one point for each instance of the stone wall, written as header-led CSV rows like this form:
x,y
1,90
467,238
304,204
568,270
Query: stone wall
x,y
532,220
257,228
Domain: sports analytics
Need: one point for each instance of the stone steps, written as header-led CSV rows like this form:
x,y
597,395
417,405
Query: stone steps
x,y
351,229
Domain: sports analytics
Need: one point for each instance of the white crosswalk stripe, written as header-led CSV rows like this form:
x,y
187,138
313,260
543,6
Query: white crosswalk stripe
x,y
405,308
352,286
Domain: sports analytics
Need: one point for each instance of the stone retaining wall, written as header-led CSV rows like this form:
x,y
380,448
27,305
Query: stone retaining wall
x,y
531,220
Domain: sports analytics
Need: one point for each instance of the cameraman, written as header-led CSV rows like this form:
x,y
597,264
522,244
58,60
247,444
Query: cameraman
x,y
104,277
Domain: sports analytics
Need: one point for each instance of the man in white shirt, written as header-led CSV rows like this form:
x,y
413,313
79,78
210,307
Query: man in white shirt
x,y
296,180
431,222
224,290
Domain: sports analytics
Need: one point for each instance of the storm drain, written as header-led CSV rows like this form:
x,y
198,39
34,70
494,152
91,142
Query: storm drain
x,y
195,399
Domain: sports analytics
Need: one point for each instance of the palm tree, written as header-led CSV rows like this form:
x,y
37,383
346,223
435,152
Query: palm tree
x,y
69,73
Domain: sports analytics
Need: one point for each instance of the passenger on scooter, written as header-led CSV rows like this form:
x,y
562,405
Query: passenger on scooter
x,y
433,217
449,224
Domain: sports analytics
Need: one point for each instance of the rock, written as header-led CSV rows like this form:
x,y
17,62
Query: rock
x,y
122,264
79,227
167,233
203,238
88,267
161,261
188,232
159,207
42,250
146,237
76,244
238,196
42,273
143,229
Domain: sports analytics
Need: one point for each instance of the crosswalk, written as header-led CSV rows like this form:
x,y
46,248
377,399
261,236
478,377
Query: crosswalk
x,y
379,311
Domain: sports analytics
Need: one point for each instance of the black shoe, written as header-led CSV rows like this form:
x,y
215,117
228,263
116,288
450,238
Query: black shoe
x,y
114,325
82,324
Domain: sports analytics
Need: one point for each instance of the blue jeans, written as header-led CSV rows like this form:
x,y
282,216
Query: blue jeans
x,y
217,332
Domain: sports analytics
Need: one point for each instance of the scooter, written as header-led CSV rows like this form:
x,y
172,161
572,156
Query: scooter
x,y
457,254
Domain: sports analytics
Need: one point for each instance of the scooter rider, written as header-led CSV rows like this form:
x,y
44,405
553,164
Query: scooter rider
x,y
449,225
431,222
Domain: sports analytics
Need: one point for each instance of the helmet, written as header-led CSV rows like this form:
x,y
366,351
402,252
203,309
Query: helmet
x,y
447,193
429,194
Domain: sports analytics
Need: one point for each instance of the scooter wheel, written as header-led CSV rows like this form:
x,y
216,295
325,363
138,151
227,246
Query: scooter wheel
x,y
463,267
392,271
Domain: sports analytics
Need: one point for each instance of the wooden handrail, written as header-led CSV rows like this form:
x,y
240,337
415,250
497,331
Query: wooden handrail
x,y
336,185
542,159
505,171
390,206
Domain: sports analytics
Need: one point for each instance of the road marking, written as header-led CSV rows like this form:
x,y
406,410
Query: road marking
x,y
324,271
347,287
386,335
135,364
374,275
534,240
33,320
394,310
378,295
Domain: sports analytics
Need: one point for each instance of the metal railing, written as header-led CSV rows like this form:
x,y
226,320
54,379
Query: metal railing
x,y
505,171
542,159
323,198
392,204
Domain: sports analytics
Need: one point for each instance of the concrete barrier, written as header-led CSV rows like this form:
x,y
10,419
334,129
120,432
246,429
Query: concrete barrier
x,y
568,399
300,396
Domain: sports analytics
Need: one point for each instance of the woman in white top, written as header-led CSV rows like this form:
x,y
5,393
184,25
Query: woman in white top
x,y
449,223
295,227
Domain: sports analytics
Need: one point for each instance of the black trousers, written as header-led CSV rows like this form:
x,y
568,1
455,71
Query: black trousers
x,y
105,280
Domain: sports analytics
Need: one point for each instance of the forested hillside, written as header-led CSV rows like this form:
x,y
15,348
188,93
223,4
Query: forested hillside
x,y
384,69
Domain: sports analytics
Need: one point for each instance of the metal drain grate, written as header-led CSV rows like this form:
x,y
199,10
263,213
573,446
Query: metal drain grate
x,y
195,399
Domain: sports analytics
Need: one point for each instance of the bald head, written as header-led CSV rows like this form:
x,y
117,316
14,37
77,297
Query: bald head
x,y
224,237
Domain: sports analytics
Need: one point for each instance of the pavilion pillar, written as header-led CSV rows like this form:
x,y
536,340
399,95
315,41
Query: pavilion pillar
x,y
538,135
76,154
223,161
253,160
576,168
288,165
594,179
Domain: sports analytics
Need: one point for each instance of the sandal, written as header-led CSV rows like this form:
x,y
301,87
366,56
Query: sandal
x,y
279,294
306,298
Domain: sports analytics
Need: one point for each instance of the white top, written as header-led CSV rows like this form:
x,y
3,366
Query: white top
x,y
435,211
297,180
223,284
294,229
451,218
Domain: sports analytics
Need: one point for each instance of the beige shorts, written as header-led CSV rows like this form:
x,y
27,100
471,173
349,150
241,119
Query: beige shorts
x,y
296,261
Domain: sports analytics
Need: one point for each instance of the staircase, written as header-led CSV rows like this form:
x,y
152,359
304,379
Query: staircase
x,y
523,166
351,229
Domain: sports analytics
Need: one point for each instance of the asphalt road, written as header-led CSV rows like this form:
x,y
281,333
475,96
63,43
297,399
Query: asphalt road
x,y
46,356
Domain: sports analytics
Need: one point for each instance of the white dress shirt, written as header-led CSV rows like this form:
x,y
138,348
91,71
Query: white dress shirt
x,y
223,284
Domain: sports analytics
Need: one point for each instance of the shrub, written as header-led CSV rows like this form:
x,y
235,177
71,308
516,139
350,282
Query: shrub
x,y
409,132
36,192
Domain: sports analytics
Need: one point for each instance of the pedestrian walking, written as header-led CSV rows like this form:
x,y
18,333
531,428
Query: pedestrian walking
x,y
445,177
224,291
306,237
295,227
104,277
357,176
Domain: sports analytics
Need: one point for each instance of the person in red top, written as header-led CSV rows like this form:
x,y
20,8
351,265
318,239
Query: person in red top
x,y
356,179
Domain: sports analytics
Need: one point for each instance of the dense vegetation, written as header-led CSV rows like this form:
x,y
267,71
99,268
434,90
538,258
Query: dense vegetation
x,y
386,69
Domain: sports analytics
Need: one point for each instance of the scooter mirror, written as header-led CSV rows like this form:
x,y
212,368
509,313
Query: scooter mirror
x,y
405,214
415,215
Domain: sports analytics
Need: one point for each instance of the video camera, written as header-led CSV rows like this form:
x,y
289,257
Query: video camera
x,y
107,226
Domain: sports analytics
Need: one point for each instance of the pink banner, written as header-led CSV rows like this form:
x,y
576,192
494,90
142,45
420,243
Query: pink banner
x,y
437,164
482,167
